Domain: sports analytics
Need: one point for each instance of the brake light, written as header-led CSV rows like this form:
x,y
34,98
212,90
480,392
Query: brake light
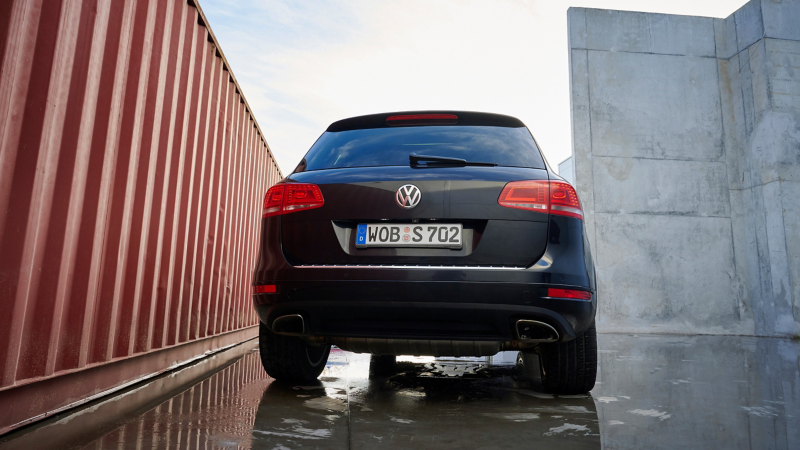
x,y
569,293
422,119
290,197
264,289
554,197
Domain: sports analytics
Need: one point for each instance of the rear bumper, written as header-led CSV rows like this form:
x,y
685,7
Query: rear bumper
x,y
430,302
432,310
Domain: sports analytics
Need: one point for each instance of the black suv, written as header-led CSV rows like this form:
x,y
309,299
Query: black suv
x,y
426,233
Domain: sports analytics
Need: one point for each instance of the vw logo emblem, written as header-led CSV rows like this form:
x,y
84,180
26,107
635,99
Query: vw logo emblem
x,y
408,196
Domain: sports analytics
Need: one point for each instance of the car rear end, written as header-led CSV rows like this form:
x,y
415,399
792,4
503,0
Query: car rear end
x,y
440,233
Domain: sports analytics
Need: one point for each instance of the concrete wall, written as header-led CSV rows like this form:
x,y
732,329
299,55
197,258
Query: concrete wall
x,y
697,392
686,149
566,169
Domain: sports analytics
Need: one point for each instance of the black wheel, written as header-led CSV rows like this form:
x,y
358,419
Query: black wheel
x,y
570,367
289,357
382,365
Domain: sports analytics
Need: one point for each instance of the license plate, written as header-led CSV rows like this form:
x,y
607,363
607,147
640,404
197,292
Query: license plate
x,y
442,235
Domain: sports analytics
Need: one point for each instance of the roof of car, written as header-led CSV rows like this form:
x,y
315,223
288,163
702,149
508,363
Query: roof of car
x,y
464,118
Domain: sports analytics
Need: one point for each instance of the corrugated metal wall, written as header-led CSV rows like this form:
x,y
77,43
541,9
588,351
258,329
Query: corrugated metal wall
x,y
131,177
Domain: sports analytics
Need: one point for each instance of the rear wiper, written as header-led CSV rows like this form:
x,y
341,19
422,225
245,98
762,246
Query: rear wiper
x,y
433,161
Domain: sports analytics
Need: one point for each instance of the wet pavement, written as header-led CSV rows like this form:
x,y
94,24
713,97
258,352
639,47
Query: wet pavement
x,y
652,392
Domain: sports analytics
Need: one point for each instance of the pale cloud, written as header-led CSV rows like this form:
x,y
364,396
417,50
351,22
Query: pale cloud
x,y
303,64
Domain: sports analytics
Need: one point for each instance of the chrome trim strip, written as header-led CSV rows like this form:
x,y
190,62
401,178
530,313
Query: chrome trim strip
x,y
412,267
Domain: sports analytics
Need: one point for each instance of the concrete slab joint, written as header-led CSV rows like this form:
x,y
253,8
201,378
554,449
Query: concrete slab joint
x,y
686,156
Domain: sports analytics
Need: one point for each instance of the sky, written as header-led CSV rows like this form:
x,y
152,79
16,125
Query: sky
x,y
305,64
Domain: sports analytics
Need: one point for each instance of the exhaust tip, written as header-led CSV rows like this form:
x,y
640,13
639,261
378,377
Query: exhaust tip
x,y
291,324
535,331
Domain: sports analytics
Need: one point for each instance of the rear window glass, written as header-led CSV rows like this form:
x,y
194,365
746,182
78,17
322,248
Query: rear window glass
x,y
391,146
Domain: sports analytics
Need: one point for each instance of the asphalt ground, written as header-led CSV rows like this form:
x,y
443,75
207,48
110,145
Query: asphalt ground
x,y
652,392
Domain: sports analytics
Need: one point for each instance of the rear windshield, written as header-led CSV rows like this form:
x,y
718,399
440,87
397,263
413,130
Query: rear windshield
x,y
504,146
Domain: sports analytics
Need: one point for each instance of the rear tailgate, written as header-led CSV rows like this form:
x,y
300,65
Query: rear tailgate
x,y
492,235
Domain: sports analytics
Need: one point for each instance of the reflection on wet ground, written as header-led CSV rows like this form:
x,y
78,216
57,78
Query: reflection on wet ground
x,y
652,392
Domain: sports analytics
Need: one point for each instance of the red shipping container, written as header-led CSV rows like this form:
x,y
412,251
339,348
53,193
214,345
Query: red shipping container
x,y
131,177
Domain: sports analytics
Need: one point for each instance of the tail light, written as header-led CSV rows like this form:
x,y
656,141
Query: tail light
x,y
569,293
554,197
273,201
532,195
564,200
290,197
301,196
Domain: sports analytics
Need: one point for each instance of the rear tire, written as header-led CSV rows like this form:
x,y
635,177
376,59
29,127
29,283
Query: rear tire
x,y
289,357
570,367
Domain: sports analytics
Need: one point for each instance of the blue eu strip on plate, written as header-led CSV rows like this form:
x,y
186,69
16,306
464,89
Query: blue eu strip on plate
x,y
361,236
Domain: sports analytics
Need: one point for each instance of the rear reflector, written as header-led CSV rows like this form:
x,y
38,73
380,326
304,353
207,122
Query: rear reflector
x,y
554,197
264,289
290,197
569,293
